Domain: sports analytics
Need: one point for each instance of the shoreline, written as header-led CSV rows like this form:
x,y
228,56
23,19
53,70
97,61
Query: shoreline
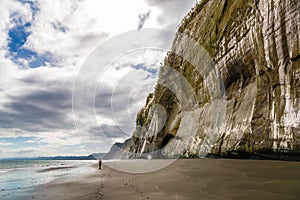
x,y
66,187
183,179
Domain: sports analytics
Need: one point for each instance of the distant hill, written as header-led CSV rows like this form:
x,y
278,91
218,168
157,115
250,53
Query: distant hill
x,y
97,156
94,156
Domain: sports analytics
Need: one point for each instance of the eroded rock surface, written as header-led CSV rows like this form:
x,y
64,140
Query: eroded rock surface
x,y
244,101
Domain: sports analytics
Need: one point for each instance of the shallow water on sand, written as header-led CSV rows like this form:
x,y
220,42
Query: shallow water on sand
x,y
19,177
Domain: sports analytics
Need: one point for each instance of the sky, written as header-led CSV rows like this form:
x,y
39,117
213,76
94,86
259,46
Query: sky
x,y
43,48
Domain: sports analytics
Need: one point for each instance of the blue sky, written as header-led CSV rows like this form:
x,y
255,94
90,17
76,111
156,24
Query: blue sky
x,y
17,37
43,45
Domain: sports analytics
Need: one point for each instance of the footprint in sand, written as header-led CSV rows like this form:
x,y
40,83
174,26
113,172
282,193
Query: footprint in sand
x,y
98,195
99,192
124,183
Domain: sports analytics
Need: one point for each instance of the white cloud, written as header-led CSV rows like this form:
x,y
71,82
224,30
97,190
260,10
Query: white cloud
x,y
72,29
3,143
8,69
39,103
171,11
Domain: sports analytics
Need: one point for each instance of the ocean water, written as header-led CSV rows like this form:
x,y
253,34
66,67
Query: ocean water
x,y
19,178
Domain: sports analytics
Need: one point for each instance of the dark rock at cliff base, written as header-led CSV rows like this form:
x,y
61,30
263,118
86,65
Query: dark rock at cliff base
x,y
232,88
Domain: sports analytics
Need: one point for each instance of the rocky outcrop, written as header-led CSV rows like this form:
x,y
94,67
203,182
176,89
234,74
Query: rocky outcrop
x,y
119,150
238,96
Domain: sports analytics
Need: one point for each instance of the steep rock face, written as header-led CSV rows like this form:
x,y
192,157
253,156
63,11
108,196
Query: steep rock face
x,y
247,103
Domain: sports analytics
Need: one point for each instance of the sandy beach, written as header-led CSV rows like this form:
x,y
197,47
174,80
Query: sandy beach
x,y
183,179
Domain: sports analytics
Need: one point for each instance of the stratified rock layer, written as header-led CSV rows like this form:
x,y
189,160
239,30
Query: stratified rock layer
x,y
253,110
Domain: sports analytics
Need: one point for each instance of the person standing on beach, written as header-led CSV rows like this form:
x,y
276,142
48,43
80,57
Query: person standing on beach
x,y
100,163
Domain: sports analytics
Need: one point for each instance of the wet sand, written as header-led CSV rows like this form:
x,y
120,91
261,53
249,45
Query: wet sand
x,y
54,168
184,179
